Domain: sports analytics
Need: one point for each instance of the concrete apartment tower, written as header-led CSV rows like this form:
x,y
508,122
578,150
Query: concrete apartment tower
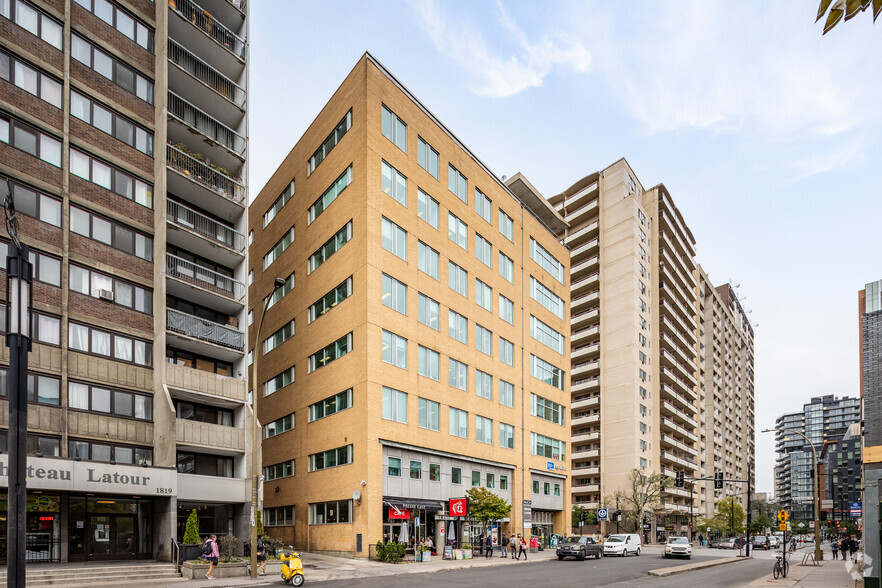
x,y
870,316
123,133
407,360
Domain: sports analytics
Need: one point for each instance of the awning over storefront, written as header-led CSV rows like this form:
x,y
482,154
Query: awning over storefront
x,y
414,503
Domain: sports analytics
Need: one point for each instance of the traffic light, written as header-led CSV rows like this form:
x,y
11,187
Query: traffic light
x,y
718,480
583,516
618,515
678,480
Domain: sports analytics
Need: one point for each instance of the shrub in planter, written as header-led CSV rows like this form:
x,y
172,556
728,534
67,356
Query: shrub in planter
x,y
230,546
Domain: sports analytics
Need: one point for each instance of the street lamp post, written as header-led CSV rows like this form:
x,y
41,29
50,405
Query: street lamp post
x,y
819,555
255,428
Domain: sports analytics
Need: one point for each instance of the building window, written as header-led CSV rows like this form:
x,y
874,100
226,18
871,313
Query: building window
x,y
642,375
643,428
286,378
427,157
279,203
115,125
428,260
278,426
112,69
547,447
394,294
643,445
483,295
506,439
394,405
121,20
506,309
34,21
199,362
334,351
319,156
110,177
455,476
45,268
94,398
459,423
280,516
112,345
279,293
394,239
503,482
506,226
279,337
279,248
483,340
30,202
416,470
506,267
546,409
546,335
546,487
458,231
330,247
41,389
483,250
643,410
427,208
429,415
643,392
331,299
394,349
428,312
457,183
29,139
330,513
394,467
325,200
122,454
546,298
97,228
330,459
476,478
546,372
643,462
483,384
30,79
506,393
458,327
331,405
394,129
506,351
546,260
394,184
458,279
434,472
483,430
641,286
457,374
483,206
279,470
429,363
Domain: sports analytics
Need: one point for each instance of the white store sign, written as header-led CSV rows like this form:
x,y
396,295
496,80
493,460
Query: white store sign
x,y
86,476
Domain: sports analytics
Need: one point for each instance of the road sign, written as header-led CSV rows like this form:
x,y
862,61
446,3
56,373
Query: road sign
x,y
783,516
782,526
855,508
602,514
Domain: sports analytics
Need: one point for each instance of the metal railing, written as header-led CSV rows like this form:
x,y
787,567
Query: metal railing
x,y
205,124
186,217
193,326
203,277
202,71
240,5
205,175
203,21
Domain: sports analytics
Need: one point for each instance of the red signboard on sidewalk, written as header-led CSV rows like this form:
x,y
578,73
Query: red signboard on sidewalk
x,y
458,507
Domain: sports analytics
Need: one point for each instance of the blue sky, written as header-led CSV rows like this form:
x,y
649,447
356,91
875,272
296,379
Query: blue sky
x,y
766,133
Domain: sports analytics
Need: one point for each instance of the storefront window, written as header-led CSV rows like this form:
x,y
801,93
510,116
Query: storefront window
x,y
213,518
42,531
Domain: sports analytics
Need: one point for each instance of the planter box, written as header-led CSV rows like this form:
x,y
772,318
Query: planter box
x,y
196,571
190,552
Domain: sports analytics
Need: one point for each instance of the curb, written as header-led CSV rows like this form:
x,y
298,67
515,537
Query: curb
x,y
665,572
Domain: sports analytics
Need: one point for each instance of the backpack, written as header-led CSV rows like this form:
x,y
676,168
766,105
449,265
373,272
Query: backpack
x,y
206,548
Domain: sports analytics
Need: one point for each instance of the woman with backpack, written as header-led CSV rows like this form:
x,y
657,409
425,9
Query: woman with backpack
x,y
261,555
210,552
834,547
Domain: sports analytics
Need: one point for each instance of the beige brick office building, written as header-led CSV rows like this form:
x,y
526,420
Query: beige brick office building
x,y
123,135
419,347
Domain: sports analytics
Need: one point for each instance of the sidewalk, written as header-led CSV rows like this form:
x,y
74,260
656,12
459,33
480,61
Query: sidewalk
x,y
830,573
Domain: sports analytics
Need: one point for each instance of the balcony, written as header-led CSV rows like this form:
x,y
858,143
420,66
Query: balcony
x,y
211,38
583,437
670,425
584,335
583,213
588,367
683,461
585,489
219,439
198,82
585,302
585,403
589,419
203,286
205,186
202,235
582,268
578,237
585,352
218,142
585,284
584,454
686,449
205,337
199,386
584,250
585,385
571,201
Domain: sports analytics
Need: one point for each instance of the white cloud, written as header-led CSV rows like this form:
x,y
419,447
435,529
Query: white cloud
x,y
500,73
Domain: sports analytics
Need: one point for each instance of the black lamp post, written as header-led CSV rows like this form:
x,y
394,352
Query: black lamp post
x,y
19,300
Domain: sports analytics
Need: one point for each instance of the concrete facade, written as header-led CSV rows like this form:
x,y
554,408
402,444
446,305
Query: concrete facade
x,y
870,316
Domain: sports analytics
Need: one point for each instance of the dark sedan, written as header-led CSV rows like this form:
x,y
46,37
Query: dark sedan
x,y
579,547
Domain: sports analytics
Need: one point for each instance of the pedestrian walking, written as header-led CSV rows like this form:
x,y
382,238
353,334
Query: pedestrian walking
x,y
481,544
489,546
522,548
211,552
834,547
853,547
261,556
513,544
504,545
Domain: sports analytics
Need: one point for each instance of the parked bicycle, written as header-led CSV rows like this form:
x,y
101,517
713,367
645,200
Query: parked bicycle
x,y
782,566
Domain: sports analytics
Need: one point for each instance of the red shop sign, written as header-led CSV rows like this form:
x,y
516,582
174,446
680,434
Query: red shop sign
x,y
458,507
396,512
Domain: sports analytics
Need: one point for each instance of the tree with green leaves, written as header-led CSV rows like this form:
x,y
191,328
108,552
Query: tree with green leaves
x,y
191,533
730,515
847,9
590,517
642,495
485,506
259,523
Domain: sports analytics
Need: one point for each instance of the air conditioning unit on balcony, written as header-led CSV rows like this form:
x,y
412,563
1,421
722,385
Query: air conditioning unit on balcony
x,y
105,295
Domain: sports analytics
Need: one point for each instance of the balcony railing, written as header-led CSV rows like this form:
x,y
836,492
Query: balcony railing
x,y
193,326
204,72
203,277
203,21
184,216
205,124
205,175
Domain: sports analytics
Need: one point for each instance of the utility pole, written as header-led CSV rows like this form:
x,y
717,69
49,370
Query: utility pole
x,y
618,516
691,515
749,494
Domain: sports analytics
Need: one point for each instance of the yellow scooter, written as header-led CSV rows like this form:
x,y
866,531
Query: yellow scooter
x,y
292,567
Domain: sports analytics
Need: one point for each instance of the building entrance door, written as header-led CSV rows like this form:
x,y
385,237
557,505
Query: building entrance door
x,y
111,536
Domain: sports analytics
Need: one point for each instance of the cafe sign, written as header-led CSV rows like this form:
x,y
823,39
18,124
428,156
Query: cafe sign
x,y
85,476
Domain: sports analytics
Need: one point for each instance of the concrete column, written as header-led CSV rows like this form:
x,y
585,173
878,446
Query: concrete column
x,y
165,522
870,515
65,521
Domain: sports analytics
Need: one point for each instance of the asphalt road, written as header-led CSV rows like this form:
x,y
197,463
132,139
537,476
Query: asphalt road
x,y
608,571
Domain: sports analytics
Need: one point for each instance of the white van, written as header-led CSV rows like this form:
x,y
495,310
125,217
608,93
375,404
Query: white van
x,y
622,544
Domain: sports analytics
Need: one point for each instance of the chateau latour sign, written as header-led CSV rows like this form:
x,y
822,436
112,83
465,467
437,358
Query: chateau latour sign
x,y
87,476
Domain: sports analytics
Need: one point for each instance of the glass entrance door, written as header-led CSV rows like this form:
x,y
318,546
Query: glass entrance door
x,y
99,537
112,537
125,542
